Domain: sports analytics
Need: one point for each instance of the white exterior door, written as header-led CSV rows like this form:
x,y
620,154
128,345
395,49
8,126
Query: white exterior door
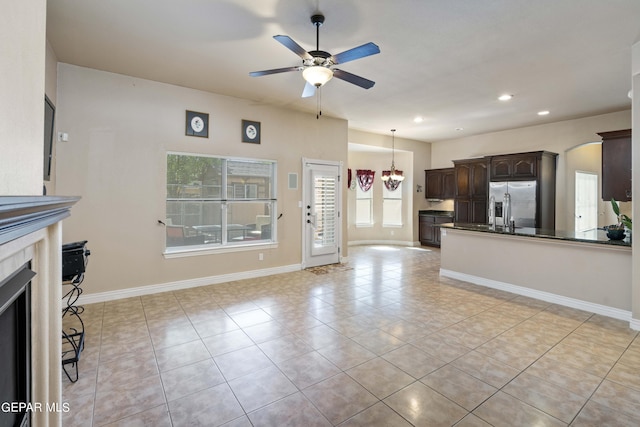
x,y
321,220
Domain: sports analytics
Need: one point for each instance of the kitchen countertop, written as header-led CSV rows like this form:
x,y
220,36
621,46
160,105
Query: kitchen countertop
x,y
597,236
436,213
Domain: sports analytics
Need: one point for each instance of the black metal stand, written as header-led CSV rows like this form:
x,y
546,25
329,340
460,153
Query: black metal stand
x,y
72,336
74,261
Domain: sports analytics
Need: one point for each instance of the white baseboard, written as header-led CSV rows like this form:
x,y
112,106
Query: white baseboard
x,y
380,242
184,284
604,310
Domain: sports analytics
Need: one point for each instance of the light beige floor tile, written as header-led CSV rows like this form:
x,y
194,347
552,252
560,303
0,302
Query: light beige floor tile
x,y
321,336
486,369
422,406
503,410
339,397
548,397
156,417
242,362
181,355
261,388
127,369
596,415
543,353
211,407
123,400
347,355
242,421
266,331
174,334
251,317
631,358
512,355
292,411
308,369
380,377
227,342
376,415
462,388
618,397
80,413
413,361
284,348
566,376
189,379
625,375
472,421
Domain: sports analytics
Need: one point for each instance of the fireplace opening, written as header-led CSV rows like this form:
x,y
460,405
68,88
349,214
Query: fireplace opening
x,y
15,351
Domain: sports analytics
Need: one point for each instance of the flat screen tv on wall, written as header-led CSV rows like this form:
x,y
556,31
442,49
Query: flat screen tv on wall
x,y
49,115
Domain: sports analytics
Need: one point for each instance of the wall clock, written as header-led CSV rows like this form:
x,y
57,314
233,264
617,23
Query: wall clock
x,y
251,131
197,124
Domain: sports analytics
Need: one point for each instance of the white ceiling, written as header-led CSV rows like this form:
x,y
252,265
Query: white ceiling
x,y
444,60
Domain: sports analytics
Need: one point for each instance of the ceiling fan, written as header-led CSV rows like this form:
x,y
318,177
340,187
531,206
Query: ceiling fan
x,y
317,65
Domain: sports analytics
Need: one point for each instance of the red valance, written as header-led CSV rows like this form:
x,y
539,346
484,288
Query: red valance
x,y
365,178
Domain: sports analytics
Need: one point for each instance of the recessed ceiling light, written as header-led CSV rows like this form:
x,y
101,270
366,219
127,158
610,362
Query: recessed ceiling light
x,y
459,129
418,119
505,97
543,113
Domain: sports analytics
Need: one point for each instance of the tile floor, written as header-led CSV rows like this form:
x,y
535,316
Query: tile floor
x,y
385,343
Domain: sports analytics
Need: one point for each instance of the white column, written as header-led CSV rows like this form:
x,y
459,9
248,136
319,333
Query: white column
x,y
635,166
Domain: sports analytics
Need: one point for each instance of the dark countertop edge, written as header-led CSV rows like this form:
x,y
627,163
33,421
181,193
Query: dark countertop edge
x,y
435,213
539,233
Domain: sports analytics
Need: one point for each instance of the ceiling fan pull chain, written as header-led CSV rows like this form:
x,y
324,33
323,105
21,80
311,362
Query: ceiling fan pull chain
x,y
318,103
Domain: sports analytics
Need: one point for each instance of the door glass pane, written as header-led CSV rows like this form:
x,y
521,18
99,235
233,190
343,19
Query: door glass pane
x,y
325,211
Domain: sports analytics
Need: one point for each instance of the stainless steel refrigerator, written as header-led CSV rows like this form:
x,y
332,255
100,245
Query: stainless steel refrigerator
x,y
523,203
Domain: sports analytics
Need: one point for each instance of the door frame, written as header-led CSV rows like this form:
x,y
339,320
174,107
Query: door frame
x,y
306,198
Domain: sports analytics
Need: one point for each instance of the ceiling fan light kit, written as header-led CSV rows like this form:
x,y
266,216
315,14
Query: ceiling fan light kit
x,y
317,64
317,75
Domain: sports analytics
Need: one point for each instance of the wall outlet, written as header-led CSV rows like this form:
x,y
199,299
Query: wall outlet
x,y
392,232
260,256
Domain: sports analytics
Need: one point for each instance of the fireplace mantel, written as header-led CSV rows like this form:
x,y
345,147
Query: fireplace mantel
x,y
22,215
31,232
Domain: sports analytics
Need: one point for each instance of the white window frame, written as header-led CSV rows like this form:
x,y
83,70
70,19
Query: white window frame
x,y
364,196
227,198
389,197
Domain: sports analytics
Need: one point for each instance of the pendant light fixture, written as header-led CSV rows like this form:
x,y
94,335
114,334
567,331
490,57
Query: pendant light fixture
x,y
393,174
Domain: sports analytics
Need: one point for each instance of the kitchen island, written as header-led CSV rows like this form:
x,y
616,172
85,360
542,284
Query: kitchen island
x,y
581,270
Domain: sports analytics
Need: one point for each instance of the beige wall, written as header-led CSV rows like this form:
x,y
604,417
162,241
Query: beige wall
x,y
22,31
413,169
555,137
120,129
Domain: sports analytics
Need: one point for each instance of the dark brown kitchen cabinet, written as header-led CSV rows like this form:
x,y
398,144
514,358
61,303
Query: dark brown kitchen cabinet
x,y
616,165
440,184
472,187
429,228
514,166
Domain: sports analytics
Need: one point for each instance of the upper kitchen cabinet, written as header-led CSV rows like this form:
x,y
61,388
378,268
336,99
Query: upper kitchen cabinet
x,y
472,187
521,166
616,165
440,184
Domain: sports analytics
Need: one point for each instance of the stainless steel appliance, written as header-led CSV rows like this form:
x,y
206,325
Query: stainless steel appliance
x,y
522,204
